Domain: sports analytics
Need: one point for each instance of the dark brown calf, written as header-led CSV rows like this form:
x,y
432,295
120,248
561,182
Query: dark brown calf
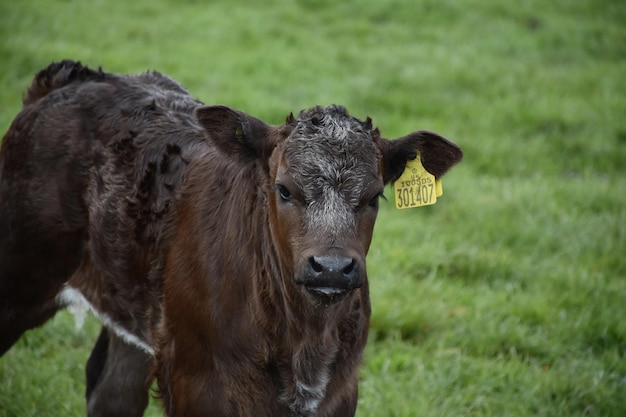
x,y
226,254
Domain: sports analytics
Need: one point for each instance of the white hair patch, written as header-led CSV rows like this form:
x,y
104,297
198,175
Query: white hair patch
x,y
78,305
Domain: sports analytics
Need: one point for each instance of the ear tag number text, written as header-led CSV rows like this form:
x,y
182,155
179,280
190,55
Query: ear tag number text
x,y
416,187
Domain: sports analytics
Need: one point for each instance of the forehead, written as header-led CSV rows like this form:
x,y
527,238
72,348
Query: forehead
x,y
328,144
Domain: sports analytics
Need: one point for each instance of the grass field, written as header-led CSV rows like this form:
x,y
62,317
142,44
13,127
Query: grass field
x,y
506,298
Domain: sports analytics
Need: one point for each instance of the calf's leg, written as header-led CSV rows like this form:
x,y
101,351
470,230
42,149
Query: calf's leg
x,y
118,378
96,362
32,272
41,245
15,320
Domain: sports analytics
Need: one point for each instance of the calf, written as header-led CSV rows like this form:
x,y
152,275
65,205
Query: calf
x,y
224,256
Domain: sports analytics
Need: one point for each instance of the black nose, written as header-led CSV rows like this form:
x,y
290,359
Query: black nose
x,y
332,276
333,267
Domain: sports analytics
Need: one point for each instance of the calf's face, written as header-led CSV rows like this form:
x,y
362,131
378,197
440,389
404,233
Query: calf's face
x,y
327,183
326,173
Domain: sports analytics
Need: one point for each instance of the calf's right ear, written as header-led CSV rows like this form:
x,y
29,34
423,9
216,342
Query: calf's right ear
x,y
437,154
235,132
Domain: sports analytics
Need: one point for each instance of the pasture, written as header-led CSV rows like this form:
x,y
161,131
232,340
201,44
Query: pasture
x,y
507,297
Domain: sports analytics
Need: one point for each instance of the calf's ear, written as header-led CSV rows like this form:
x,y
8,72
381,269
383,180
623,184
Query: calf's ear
x,y
235,132
437,154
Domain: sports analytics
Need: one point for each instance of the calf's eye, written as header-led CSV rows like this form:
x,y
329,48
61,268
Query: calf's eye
x,y
374,201
284,193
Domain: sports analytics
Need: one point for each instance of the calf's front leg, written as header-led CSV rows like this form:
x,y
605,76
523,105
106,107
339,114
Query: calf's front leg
x,y
118,378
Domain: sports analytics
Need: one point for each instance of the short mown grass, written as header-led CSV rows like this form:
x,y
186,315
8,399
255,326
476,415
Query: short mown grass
x,y
506,298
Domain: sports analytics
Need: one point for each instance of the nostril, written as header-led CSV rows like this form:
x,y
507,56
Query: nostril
x,y
350,269
315,265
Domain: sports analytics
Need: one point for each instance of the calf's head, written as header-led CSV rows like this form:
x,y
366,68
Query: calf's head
x,y
325,171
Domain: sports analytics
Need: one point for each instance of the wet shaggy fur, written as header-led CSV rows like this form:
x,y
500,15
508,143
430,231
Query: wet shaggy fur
x,y
224,256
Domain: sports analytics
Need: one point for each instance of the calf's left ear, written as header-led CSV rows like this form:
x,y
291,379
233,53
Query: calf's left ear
x,y
437,154
235,132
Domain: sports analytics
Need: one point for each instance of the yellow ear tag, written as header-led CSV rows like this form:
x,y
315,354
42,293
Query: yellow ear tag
x,y
416,187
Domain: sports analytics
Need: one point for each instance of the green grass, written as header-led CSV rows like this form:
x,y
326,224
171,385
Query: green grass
x,y
507,298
